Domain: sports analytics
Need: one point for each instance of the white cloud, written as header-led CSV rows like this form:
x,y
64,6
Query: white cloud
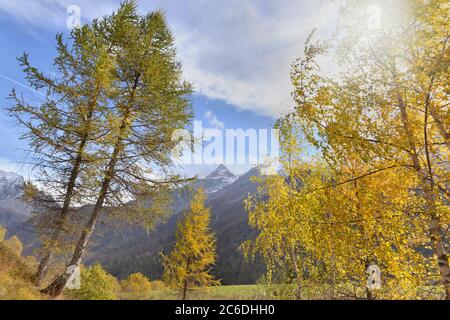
x,y
241,51
236,50
51,14
213,121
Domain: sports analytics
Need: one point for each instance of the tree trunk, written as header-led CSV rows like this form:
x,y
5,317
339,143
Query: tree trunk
x,y
435,227
184,289
46,259
57,286
185,286
48,255
298,273
369,294
445,135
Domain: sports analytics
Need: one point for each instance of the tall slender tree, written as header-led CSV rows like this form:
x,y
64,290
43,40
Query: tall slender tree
x,y
149,102
63,127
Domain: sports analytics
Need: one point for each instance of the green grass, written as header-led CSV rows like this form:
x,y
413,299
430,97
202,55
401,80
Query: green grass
x,y
240,292
258,292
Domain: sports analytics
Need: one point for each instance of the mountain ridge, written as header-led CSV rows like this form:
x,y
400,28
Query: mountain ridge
x,y
11,184
229,221
123,250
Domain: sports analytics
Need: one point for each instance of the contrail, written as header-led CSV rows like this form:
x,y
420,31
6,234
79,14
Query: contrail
x,y
21,84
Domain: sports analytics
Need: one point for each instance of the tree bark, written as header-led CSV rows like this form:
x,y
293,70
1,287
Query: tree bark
x,y
185,286
445,135
298,273
48,256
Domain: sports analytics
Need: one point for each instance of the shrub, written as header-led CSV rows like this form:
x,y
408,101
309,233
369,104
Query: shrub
x,y
158,285
15,272
96,284
13,287
31,261
14,245
136,286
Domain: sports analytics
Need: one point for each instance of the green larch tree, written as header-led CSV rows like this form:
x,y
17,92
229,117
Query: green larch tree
x,y
63,127
149,102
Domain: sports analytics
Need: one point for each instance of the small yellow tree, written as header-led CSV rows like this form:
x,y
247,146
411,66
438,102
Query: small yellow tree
x,y
188,265
137,286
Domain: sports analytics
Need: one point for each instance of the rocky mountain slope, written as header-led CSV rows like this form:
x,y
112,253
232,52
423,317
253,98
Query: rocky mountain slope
x,y
13,211
125,250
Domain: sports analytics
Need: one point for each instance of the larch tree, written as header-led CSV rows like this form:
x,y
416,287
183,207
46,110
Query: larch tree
x,y
148,103
63,128
188,265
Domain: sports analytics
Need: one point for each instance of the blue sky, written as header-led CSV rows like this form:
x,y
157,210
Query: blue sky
x,y
237,53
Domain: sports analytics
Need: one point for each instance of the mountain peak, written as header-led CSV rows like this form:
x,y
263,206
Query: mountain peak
x,y
11,184
10,178
220,172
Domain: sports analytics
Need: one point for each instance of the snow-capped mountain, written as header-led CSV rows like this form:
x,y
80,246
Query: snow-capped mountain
x,y
126,249
220,173
13,211
129,250
218,179
11,185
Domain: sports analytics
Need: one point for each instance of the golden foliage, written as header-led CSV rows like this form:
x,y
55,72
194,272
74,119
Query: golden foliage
x,y
15,273
14,245
96,284
136,286
188,265
378,193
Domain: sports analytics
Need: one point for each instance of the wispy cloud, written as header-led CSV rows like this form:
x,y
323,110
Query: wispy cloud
x,y
53,14
236,50
213,121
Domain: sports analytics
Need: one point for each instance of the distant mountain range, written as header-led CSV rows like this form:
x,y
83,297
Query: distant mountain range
x,y
14,213
10,185
125,250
